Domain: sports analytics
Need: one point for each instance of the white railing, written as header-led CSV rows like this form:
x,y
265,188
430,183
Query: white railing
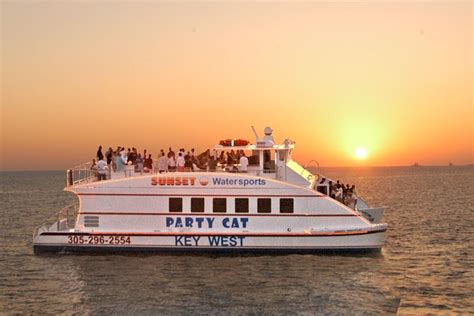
x,y
308,165
80,174
63,220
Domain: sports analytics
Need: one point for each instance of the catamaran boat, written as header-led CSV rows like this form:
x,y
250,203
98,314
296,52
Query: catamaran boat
x,y
275,205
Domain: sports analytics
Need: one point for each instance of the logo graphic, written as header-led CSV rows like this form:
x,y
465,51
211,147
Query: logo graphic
x,y
203,181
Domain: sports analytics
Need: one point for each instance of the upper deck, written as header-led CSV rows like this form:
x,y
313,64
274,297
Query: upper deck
x,y
265,159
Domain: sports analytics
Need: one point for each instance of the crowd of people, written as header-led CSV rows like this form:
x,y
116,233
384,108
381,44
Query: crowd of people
x,y
344,193
121,159
232,161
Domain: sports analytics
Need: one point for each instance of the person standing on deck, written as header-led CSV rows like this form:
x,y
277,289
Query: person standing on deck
x,y
109,155
244,162
139,163
171,153
100,155
121,160
188,163
212,164
171,163
148,165
162,163
102,170
193,156
180,162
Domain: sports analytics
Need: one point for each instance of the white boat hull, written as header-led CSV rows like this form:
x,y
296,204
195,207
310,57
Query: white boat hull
x,y
198,211
158,242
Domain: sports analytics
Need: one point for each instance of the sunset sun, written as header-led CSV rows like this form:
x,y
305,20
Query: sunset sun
x,y
361,153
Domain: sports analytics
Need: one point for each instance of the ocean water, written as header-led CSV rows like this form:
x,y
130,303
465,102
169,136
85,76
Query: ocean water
x,y
425,267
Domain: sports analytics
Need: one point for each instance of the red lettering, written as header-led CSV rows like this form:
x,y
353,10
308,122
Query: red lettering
x,y
173,180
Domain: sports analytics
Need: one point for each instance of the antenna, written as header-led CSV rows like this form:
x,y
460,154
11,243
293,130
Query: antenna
x,y
255,132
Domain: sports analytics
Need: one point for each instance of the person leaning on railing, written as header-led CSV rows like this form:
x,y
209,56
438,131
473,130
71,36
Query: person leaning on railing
x,y
94,168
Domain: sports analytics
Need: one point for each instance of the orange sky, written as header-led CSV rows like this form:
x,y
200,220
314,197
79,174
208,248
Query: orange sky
x,y
392,77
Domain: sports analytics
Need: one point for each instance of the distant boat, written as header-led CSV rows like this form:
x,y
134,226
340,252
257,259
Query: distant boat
x,y
451,164
415,165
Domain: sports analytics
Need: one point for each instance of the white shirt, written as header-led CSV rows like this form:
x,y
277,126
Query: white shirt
x,y
123,156
162,163
171,162
180,161
244,162
102,167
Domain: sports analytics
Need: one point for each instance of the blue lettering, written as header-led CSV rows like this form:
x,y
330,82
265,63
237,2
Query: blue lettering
x,y
242,182
244,221
187,241
235,223
199,221
224,241
178,241
179,222
225,222
213,240
189,221
169,221
210,220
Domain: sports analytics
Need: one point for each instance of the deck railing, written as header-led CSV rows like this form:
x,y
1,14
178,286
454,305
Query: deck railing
x,y
81,173
63,220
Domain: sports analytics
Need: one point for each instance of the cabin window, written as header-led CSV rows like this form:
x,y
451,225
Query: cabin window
x,y
241,205
197,205
176,205
219,205
286,205
264,205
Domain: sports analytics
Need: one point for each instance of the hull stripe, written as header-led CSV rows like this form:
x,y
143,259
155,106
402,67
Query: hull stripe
x,y
211,195
169,234
204,247
217,214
